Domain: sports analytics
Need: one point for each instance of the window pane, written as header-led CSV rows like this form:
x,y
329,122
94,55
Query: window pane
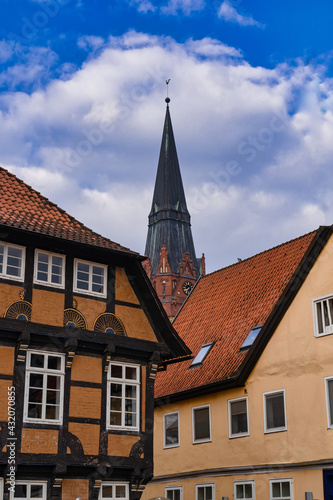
x,y
285,489
37,360
34,410
319,318
131,373
209,493
169,494
116,404
107,491
20,491
239,491
115,418
52,412
171,429
276,490
238,417
130,391
330,397
53,397
36,380
201,424
201,493
36,491
116,371
248,490
130,419
54,363
120,491
116,390
275,411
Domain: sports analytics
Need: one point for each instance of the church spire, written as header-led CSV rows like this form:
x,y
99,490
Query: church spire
x,y
169,243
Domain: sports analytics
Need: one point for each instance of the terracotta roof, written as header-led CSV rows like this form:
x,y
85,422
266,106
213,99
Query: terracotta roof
x,y
223,307
24,208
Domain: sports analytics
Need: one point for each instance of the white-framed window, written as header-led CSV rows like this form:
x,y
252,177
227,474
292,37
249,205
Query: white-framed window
x,y
205,491
281,489
323,315
238,417
275,411
201,424
329,401
171,429
1,488
12,261
114,491
174,493
44,387
29,490
49,269
123,400
90,278
244,490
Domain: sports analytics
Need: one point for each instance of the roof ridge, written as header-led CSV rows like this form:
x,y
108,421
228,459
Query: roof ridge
x,y
264,251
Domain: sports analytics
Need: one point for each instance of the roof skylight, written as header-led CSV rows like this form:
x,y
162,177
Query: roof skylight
x,y
251,337
202,354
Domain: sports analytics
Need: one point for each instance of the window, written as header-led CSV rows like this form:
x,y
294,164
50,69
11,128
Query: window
x,y
329,401
251,337
202,354
11,262
204,492
114,491
49,269
29,490
275,411
238,418
1,488
90,278
201,424
44,387
123,396
244,490
323,315
174,493
281,489
171,429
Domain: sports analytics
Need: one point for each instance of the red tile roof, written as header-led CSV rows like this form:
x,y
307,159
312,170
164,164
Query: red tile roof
x,y
223,307
23,207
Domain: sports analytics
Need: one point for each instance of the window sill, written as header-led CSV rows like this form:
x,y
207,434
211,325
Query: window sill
x,y
240,435
200,441
277,429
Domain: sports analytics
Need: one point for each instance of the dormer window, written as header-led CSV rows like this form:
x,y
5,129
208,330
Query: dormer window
x,y
251,337
90,278
12,262
202,354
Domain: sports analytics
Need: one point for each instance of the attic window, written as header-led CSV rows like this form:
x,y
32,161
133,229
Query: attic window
x,y
202,354
251,337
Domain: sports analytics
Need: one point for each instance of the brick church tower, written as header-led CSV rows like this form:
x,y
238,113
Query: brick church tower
x,y
171,264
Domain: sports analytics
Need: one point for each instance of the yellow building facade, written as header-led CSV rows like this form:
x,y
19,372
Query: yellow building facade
x,y
265,431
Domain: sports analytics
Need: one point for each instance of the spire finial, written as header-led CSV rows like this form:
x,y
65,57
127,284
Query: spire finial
x,y
167,100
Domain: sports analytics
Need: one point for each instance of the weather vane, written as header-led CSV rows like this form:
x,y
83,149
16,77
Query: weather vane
x,y
167,100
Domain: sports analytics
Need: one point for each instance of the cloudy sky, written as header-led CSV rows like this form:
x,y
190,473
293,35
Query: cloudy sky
x,y
82,109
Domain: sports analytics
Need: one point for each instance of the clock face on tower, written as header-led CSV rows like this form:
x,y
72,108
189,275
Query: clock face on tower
x,y
187,287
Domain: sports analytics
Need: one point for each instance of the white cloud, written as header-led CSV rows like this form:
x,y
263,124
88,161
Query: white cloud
x,y
90,43
184,6
251,170
143,6
6,50
229,13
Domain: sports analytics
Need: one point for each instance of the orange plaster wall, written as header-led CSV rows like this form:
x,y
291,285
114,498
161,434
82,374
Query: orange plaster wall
x,y
88,435
39,441
7,360
120,446
87,369
72,488
47,307
136,323
9,294
4,384
124,291
85,402
90,309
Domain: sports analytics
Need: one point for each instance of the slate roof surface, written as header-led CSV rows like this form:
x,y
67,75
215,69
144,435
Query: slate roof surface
x,y
223,307
24,208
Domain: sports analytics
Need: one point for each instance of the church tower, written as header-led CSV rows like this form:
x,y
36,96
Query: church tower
x,y
171,264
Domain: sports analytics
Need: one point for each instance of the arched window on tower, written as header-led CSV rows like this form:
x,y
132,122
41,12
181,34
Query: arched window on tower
x,y
163,288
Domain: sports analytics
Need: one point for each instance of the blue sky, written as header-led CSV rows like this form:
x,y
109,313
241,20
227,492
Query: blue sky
x,y
82,88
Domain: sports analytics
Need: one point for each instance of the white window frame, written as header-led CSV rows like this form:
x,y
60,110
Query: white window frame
x,y
49,271
241,483
328,406
208,485
29,484
172,445
275,429
280,480
328,330
238,434
204,440
60,373
174,488
3,274
90,291
123,382
114,483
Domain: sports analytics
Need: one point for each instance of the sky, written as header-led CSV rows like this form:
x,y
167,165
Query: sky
x,y
82,89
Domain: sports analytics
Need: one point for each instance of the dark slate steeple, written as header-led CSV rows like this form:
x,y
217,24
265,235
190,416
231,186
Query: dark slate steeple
x,y
169,219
